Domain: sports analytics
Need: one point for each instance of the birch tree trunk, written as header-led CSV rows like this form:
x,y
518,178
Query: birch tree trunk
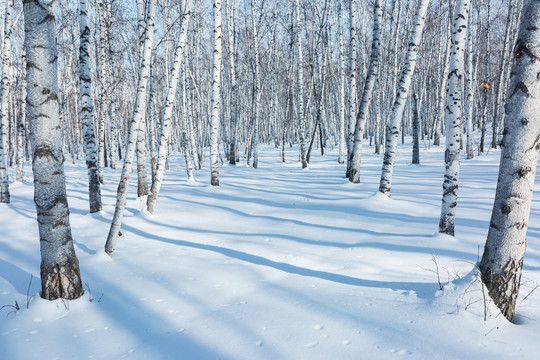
x,y
300,101
216,96
257,84
444,80
416,132
501,85
234,95
502,260
20,125
341,158
401,97
166,123
4,105
453,116
60,274
470,92
94,189
356,154
134,128
352,84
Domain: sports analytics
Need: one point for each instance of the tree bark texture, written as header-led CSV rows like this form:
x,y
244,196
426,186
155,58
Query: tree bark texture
x,y
60,274
502,260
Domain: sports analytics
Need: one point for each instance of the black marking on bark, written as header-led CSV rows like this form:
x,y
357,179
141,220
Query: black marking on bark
x,y
521,86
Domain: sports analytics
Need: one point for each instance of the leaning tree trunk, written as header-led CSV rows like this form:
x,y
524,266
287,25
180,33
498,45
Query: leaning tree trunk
x,y
502,260
4,105
166,123
356,154
134,128
60,274
94,190
216,96
453,118
401,97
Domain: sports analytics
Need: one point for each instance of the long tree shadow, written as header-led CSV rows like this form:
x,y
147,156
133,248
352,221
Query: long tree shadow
x,y
423,290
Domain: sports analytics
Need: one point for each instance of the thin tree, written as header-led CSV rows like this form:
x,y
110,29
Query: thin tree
x,y
166,123
502,260
300,88
453,116
4,105
134,128
94,190
216,96
392,133
60,274
369,85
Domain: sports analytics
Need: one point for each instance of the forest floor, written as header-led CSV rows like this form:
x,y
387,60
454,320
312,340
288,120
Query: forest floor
x,y
276,263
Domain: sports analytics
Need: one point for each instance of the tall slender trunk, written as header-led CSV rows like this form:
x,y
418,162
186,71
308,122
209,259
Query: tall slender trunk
x,y
216,96
369,85
401,97
234,87
256,90
470,92
416,132
4,104
87,119
342,143
502,260
352,84
453,118
20,125
300,101
134,128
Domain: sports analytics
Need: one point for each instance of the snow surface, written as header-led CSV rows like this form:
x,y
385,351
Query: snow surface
x,y
276,263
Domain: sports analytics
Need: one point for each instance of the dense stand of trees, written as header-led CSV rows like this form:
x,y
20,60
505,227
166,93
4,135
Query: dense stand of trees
x,y
212,80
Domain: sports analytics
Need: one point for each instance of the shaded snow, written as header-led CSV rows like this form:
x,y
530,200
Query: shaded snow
x,y
276,263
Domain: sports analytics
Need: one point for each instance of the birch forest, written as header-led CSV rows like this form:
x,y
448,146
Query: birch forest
x,y
132,83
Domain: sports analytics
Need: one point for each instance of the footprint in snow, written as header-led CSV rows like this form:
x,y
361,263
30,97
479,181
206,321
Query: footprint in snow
x,y
312,345
318,327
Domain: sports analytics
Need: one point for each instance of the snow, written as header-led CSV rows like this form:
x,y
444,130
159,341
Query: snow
x,y
276,263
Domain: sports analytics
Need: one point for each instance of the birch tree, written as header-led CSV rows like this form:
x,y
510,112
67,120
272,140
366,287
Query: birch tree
x,y
216,96
453,115
60,274
502,260
234,88
300,88
352,84
94,189
341,158
4,105
392,133
257,88
166,123
134,128
354,171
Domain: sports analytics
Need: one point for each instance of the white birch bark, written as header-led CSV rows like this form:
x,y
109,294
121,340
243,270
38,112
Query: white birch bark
x,y
353,54
444,79
300,88
234,96
166,123
60,274
184,126
4,104
94,190
502,260
257,89
341,158
401,97
216,95
21,123
104,90
470,92
453,115
501,85
369,85
134,128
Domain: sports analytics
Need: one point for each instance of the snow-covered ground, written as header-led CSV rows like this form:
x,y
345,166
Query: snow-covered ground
x,y
276,263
